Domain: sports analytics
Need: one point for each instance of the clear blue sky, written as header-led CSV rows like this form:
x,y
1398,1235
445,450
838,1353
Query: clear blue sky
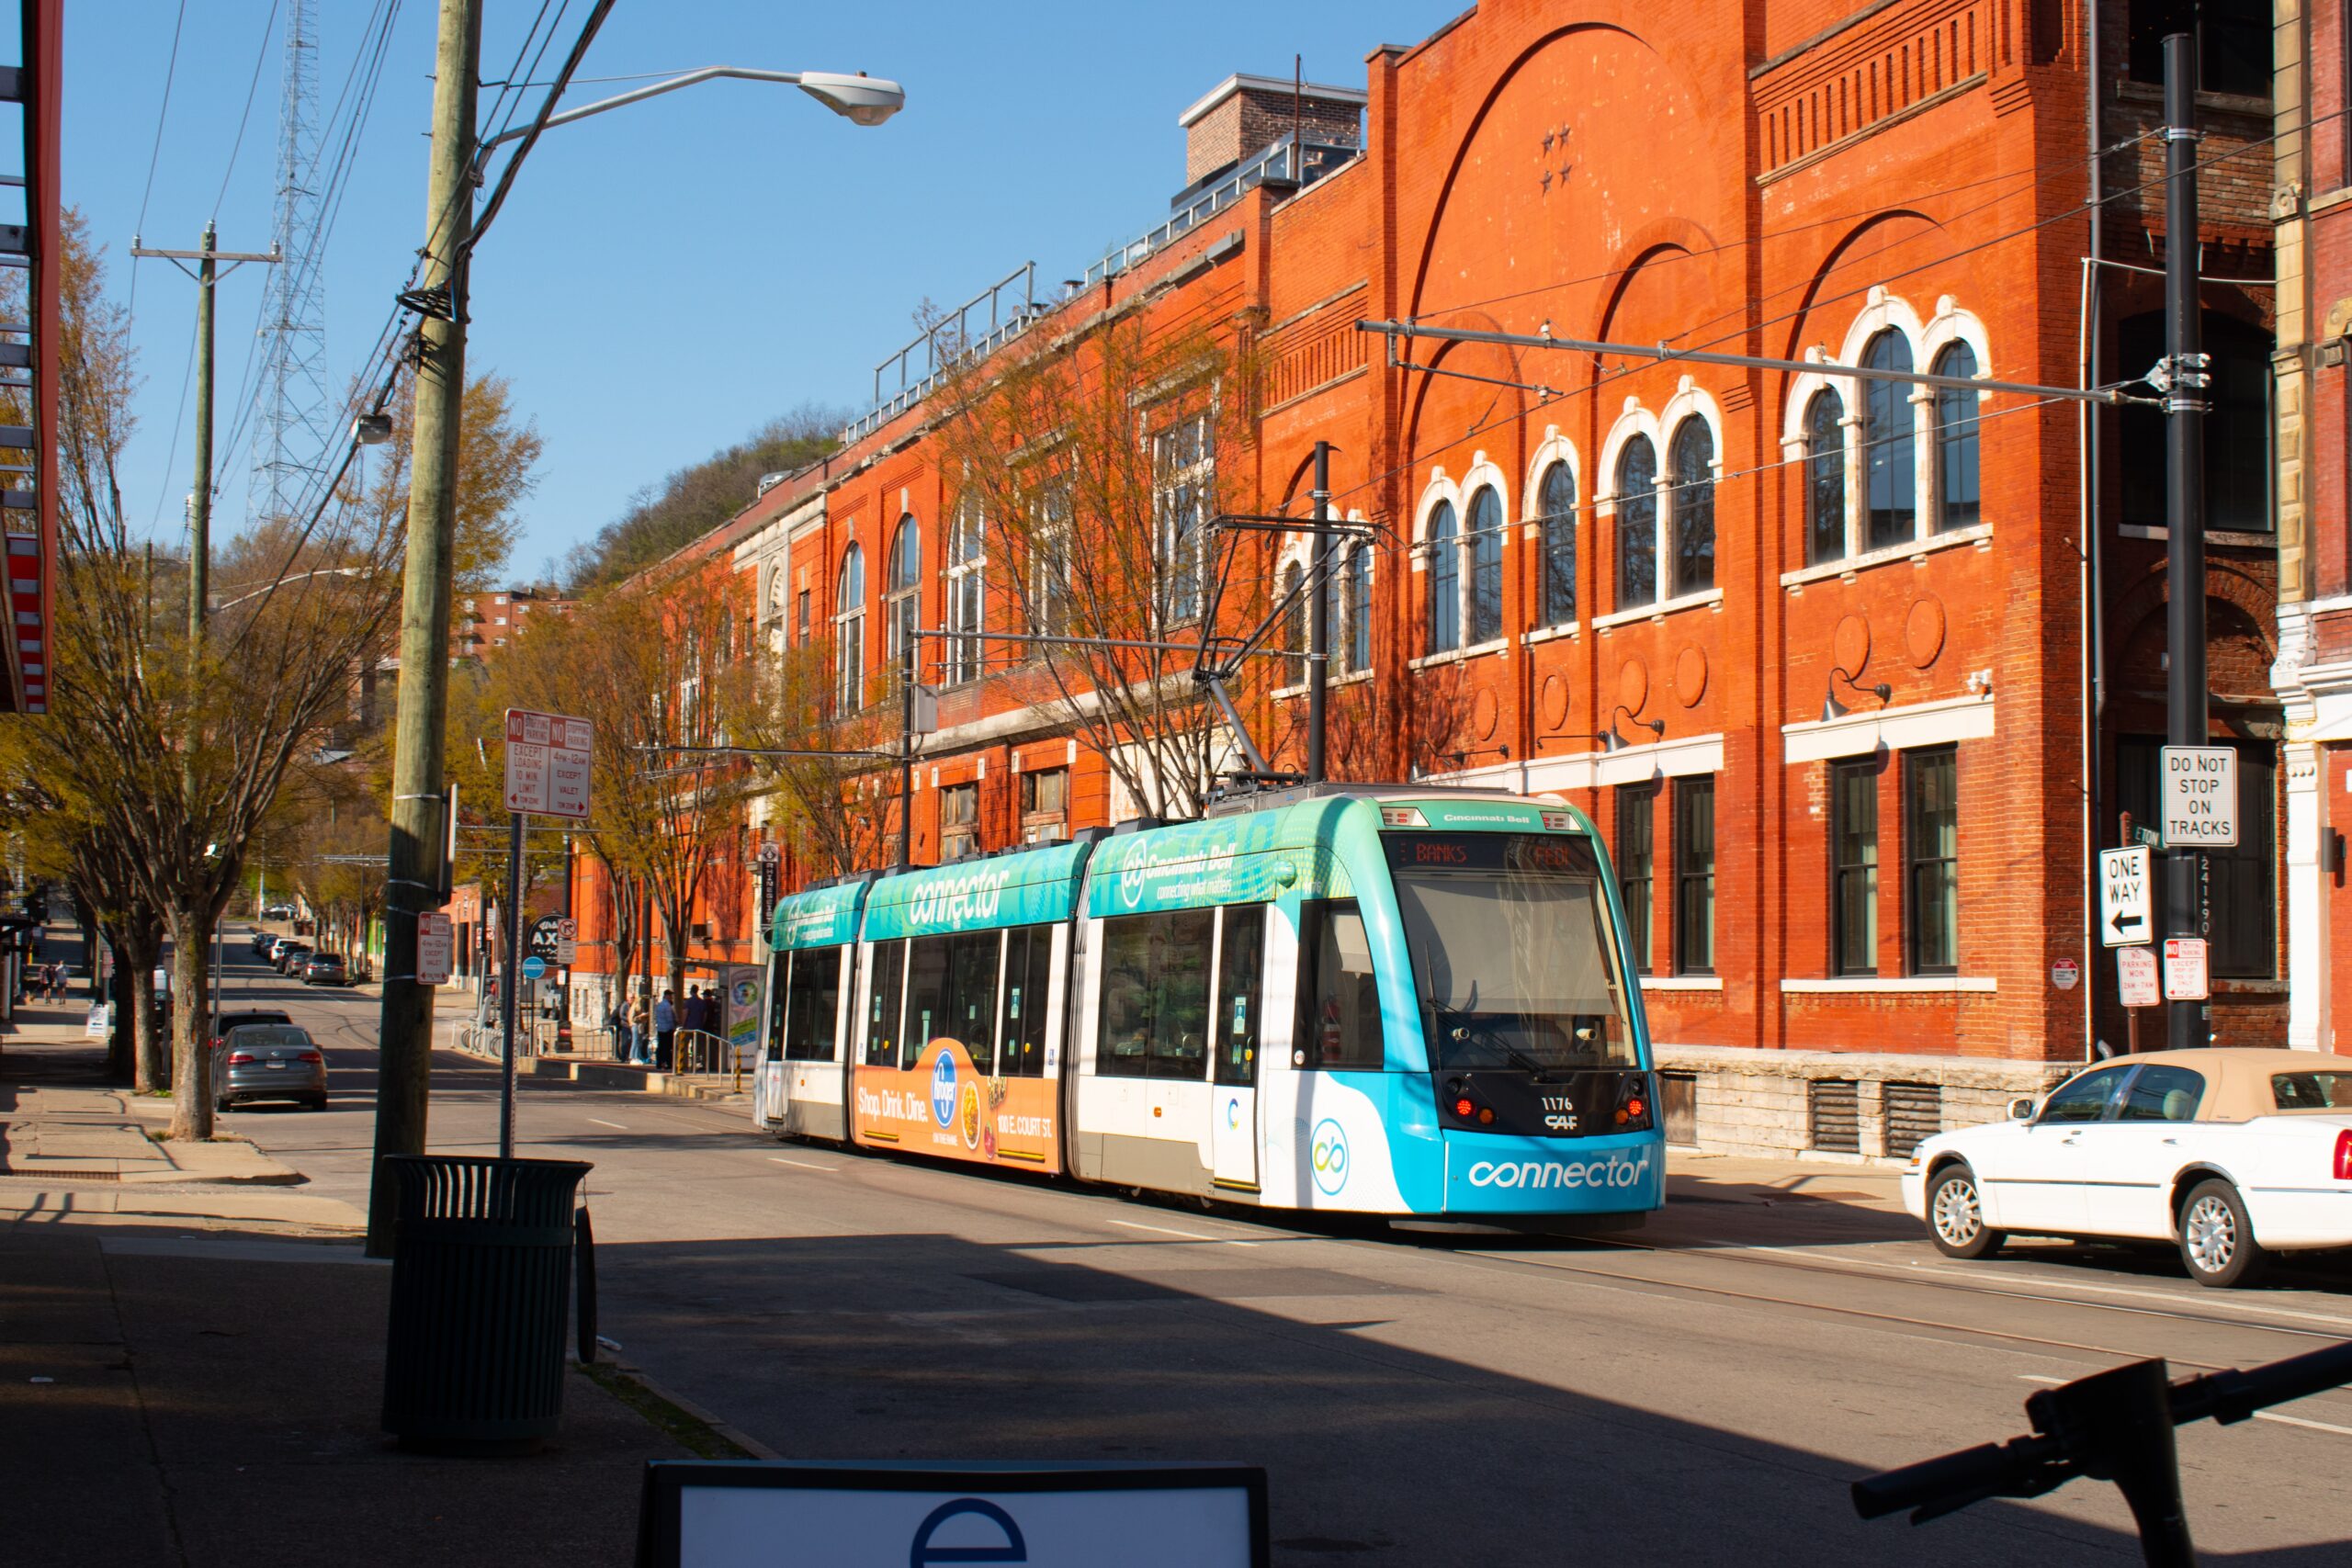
x,y
667,277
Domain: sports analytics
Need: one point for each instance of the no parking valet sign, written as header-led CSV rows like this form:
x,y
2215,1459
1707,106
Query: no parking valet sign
x,y
788,1514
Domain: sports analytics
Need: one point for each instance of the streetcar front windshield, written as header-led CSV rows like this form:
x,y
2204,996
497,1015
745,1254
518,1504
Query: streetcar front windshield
x,y
1508,938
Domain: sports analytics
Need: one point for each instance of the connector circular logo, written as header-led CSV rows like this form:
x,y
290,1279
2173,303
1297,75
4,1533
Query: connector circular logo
x,y
943,1089
1233,1113
1328,1152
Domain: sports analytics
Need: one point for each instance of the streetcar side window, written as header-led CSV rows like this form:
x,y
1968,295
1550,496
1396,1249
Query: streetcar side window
x,y
814,1010
1156,995
1028,977
882,1009
1339,1023
778,968
1240,967
971,1000
929,1004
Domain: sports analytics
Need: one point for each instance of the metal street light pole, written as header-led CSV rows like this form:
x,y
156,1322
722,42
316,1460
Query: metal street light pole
x,y
2185,692
405,1034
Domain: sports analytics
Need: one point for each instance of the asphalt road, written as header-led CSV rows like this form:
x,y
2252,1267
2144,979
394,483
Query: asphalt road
x,y
1703,1388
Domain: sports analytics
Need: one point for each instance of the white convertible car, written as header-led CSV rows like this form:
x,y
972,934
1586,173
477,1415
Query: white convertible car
x,y
2231,1154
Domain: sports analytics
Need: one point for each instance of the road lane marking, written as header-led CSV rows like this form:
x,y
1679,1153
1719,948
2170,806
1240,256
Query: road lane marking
x,y
805,1164
614,1125
2259,1414
1188,1236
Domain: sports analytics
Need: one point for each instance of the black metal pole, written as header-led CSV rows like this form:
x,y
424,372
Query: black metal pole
x,y
906,744
1318,631
2184,695
512,982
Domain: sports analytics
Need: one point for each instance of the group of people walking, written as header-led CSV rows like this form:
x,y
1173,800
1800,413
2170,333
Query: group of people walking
x,y
47,982
649,1036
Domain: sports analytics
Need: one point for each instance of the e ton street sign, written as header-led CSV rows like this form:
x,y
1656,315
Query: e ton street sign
x,y
2126,903
2199,797
547,765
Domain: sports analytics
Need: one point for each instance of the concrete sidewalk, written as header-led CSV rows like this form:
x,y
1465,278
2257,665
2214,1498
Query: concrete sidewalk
x,y
191,1366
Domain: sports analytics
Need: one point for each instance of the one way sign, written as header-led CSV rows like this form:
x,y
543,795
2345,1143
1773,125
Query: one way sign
x,y
2126,905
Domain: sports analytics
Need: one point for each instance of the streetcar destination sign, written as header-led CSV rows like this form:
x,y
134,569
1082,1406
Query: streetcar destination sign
x,y
2200,803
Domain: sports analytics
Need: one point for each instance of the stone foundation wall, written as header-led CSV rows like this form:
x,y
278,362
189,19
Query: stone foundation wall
x,y
1758,1103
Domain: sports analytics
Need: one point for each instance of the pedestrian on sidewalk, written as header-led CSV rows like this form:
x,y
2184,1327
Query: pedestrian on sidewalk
x,y
665,1030
640,1032
617,1022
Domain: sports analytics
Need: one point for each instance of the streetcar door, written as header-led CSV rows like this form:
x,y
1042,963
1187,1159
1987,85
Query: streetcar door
x,y
1241,952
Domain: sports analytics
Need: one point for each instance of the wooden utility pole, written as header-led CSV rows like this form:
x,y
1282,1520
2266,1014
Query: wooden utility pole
x,y
405,1033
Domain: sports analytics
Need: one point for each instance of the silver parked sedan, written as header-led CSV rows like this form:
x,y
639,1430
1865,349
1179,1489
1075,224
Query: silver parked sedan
x,y
269,1061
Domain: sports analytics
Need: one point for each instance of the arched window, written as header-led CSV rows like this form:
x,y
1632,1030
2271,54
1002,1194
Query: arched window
x,y
1693,456
1293,624
1485,566
1958,488
1890,450
1049,564
848,630
1557,495
1445,581
904,593
1184,473
1825,476
1637,524
967,605
1355,648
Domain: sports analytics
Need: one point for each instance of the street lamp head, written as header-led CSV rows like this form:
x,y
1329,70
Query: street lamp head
x,y
862,99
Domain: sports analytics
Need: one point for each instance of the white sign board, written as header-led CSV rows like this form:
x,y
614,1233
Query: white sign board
x,y
434,940
2185,970
547,765
567,941
2127,912
2065,974
2136,977
781,1514
2198,801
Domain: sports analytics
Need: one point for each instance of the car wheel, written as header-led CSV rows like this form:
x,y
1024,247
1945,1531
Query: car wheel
x,y
219,1107
2216,1239
317,1102
1956,1216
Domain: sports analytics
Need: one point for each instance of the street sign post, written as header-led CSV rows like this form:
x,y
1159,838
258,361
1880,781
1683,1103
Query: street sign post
x,y
2199,803
2127,913
435,938
567,941
2185,970
547,757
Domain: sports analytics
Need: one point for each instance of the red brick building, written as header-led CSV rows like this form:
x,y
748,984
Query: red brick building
x,y
1825,657
2313,202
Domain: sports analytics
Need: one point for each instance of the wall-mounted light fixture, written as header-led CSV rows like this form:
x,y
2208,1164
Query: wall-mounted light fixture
x,y
1832,708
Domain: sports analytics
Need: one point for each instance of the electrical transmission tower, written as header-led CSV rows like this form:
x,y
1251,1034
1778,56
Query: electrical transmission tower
x,y
290,426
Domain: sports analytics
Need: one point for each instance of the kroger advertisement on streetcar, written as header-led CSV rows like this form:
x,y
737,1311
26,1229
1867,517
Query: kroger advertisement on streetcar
x,y
1392,1000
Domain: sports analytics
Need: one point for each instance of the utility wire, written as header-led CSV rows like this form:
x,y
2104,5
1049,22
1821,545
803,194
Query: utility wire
x,y
155,155
237,145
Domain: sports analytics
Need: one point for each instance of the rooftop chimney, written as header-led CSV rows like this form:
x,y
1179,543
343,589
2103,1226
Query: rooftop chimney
x,y
1243,114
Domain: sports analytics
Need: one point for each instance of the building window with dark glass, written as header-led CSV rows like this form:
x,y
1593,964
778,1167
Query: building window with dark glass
x,y
1853,854
2237,426
1485,566
1557,496
1692,498
1445,581
2233,42
1357,645
1694,876
849,631
1890,464
1825,476
1637,524
1931,856
904,593
1294,600
1637,865
959,821
1959,487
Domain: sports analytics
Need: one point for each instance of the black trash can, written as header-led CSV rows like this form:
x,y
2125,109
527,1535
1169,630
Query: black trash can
x,y
481,1276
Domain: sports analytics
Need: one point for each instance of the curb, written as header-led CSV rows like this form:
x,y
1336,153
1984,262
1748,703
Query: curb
x,y
719,1428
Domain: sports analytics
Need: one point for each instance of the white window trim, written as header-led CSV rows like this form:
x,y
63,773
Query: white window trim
x,y
1483,474
1440,488
1688,402
1866,985
1634,420
1975,533
1902,728
1550,634
1681,982
1712,599
957,571
1676,757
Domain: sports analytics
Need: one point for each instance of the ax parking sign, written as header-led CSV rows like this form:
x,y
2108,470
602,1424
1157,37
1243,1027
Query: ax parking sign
x,y
2200,800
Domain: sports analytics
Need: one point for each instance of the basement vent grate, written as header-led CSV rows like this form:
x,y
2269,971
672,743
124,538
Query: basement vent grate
x,y
1836,1114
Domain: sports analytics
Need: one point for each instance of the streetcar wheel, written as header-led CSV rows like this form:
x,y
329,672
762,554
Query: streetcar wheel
x,y
2216,1240
1956,1216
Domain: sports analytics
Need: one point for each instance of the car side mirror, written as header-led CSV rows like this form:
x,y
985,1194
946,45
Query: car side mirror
x,y
2021,1109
